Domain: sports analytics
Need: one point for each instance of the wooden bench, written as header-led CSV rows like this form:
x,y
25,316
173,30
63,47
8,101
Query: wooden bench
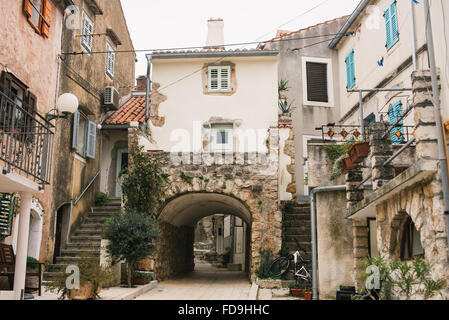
x,y
8,263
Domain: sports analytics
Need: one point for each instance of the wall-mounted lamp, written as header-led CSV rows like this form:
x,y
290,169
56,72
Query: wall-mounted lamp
x,y
67,104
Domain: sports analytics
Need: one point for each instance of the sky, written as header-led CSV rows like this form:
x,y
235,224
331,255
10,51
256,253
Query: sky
x,y
159,24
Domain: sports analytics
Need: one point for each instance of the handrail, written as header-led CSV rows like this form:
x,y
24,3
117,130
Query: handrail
x,y
394,156
85,190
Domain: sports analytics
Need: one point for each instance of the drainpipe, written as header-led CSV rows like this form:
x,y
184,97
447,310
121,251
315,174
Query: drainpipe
x,y
412,17
148,90
314,233
436,101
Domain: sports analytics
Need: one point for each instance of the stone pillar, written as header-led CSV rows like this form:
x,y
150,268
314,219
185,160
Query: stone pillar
x,y
361,248
381,150
22,245
353,193
133,131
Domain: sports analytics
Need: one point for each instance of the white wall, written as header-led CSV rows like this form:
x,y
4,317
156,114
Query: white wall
x,y
254,102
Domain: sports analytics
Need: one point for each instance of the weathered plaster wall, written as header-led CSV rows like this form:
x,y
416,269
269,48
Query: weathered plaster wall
x,y
85,77
307,117
287,186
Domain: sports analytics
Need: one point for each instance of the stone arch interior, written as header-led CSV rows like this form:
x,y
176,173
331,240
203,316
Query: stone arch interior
x,y
411,245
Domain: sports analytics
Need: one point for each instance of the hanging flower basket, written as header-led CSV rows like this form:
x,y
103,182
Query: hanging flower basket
x,y
358,152
348,165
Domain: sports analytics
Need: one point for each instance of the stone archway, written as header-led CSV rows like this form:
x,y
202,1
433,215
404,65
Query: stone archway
x,y
248,191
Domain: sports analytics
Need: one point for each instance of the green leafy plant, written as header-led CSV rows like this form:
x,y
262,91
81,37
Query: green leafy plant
x,y
90,271
186,178
101,199
285,107
282,87
401,279
206,180
224,186
284,252
336,153
143,182
132,237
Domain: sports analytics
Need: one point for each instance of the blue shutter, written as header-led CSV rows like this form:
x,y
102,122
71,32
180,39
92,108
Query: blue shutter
x,y
76,126
394,113
350,70
91,140
391,25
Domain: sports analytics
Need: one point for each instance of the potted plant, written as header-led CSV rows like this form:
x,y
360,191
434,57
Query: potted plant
x,y
296,290
92,278
141,277
337,154
359,151
308,292
348,165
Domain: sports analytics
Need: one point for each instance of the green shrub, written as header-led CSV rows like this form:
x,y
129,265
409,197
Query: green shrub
x,y
101,199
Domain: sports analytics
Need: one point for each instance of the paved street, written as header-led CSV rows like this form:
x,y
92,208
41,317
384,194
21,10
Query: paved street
x,y
205,283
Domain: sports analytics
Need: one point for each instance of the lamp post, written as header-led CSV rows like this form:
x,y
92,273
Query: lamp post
x,y
66,104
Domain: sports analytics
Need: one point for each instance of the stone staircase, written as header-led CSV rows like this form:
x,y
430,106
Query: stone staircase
x,y
86,239
296,227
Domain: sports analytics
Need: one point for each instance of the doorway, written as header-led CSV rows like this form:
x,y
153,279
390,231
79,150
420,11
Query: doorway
x,y
62,229
122,163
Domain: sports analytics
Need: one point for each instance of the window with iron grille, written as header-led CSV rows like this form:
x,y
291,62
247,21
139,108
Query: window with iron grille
x,y
86,30
219,79
317,89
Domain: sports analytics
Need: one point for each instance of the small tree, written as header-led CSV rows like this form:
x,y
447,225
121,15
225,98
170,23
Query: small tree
x,y
143,182
132,236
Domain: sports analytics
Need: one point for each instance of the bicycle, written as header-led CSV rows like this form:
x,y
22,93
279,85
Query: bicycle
x,y
301,266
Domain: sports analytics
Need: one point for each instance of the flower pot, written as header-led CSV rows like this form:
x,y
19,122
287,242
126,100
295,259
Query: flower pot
x,y
85,292
297,292
358,152
140,281
308,295
348,165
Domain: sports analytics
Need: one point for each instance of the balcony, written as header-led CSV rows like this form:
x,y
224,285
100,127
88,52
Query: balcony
x,y
26,142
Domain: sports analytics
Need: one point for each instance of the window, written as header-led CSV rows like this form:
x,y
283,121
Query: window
x,y
411,242
84,136
391,25
394,113
370,120
317,82
219,79
87,28
372,233
222,138
110,61
350,70
38,14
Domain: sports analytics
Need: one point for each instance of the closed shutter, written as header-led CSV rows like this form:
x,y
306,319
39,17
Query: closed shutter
x,y
91,140
317,82
350,70
76,126
6,213
213,79
27,7
87,28
47,16
110,61
394,113
225,78
391,25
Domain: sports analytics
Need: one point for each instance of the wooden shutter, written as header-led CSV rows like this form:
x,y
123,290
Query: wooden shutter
x,y
47,16
87,28
394,22
6,213
213,79
350,70
91,139
27,8
317,82
110,61
225,78
76,126
388,27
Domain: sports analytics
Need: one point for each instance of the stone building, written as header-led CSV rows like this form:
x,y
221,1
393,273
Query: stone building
x,y
101,79
31,42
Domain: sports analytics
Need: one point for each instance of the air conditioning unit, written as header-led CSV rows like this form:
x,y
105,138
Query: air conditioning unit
x,y
111,97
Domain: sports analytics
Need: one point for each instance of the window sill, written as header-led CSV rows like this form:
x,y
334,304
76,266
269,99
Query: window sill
x,y
80,158
317,104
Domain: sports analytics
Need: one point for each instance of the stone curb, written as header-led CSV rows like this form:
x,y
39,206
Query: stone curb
x,y
253,291
137,292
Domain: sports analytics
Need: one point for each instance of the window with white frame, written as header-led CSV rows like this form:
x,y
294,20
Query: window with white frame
x,y
87,28
317,82
110,60
222,137
219,79
84,136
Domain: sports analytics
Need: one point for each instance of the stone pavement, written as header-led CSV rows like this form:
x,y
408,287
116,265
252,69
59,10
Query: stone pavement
x,y
205,283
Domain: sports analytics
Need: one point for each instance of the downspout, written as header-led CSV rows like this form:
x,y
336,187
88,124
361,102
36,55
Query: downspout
x,y
148,89
314,233
436,101
412,17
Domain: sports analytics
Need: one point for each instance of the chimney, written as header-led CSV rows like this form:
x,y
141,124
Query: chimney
x,y
141,84
215,33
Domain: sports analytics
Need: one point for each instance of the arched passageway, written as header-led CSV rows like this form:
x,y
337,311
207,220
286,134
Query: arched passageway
x,y
178,220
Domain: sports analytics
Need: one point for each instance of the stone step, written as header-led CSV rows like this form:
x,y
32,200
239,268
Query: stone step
x,y
298,237
51,268
83,245
79,252
88,232
68,260
295,223
96,220
301,230
85,238
92,226
292,245
107,208
298,216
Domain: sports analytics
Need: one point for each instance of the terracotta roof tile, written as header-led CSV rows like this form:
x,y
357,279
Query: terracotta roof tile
x,y
132,110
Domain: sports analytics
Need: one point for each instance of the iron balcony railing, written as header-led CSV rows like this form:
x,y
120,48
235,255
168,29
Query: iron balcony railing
x,y
26,140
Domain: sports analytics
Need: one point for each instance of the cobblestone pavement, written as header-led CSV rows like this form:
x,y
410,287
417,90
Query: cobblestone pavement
x,y
205,283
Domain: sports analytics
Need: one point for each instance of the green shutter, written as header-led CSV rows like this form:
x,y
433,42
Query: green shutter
x,y
391,25
6,213
350,70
